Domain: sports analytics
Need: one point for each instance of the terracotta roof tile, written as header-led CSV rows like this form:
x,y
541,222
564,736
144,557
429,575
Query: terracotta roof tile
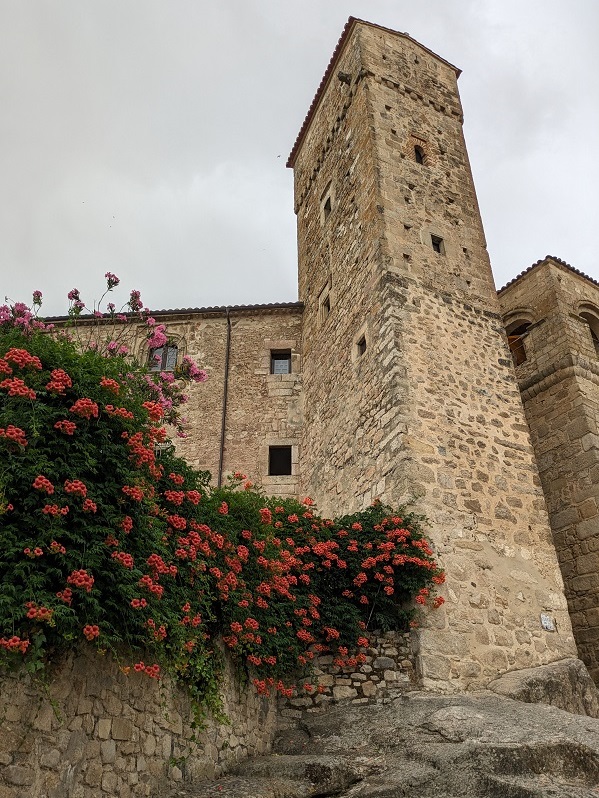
x,y
543,260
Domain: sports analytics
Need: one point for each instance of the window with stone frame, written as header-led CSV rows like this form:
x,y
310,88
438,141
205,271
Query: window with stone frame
x,y
164,358
516,333
279,461
280,361
591,318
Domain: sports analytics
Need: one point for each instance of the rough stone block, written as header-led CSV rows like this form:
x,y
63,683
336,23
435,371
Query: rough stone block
x,y
108,751
122,729
342,692
381,663
18,775
103,727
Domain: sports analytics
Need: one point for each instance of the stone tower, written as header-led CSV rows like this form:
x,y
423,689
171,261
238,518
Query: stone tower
x,y
409,388
554,312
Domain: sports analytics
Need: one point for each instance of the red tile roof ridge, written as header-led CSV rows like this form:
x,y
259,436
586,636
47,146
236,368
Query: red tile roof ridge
x,y
543,260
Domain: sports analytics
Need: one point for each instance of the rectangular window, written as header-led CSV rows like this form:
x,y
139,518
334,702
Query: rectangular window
x,y
437,244
280,362
279,460
164,358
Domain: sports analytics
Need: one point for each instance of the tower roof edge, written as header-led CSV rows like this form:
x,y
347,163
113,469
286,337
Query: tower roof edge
x,y
547,259
347,30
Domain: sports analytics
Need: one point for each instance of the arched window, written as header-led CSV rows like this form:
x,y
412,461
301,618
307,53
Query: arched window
x,y
419,154
516,332
591,317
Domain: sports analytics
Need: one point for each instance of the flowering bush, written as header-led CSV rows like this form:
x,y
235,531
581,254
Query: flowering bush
x,y
109,332
104,542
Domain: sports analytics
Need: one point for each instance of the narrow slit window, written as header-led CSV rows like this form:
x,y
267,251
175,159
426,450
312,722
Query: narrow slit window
x,y
361,346
327,208
418,154
279,461
280,362
437,244
324,307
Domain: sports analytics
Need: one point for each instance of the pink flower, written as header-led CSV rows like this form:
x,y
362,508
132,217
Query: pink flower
x,y
112,280
135,302
157,338
73,294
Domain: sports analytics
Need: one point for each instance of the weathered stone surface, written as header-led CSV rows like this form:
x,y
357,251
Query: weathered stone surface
x,y
565,684
424,746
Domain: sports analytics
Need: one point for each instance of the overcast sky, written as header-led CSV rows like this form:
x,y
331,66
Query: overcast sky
x,y
149,137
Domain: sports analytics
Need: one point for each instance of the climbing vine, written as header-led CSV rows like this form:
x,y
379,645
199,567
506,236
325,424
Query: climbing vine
x,y
110,540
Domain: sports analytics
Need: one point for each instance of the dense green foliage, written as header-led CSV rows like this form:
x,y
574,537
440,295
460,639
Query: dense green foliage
x,y
106,541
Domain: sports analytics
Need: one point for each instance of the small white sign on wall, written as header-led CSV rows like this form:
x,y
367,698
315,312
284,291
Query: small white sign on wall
x,y
547,623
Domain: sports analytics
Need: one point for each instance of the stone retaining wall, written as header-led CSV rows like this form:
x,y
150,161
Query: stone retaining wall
x,y
388,669
96,732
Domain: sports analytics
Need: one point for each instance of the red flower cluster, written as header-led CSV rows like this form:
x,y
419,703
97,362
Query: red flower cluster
x,y
54,509
153,671
86,408
76,487
155,410
35,612
133,492
14,434
59,382
65,595
68,427
110,384
147,582
81,579
90,632
22,359
57,548
266,515
175,496
119,412
43,483
14,643
89,506
17,387
125,559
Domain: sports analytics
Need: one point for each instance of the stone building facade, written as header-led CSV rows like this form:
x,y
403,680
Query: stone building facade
x,y
392,377
554,311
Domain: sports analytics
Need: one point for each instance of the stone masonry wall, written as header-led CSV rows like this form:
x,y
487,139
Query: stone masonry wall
x,y
560,387
428,411
263,409
96,732
388,670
